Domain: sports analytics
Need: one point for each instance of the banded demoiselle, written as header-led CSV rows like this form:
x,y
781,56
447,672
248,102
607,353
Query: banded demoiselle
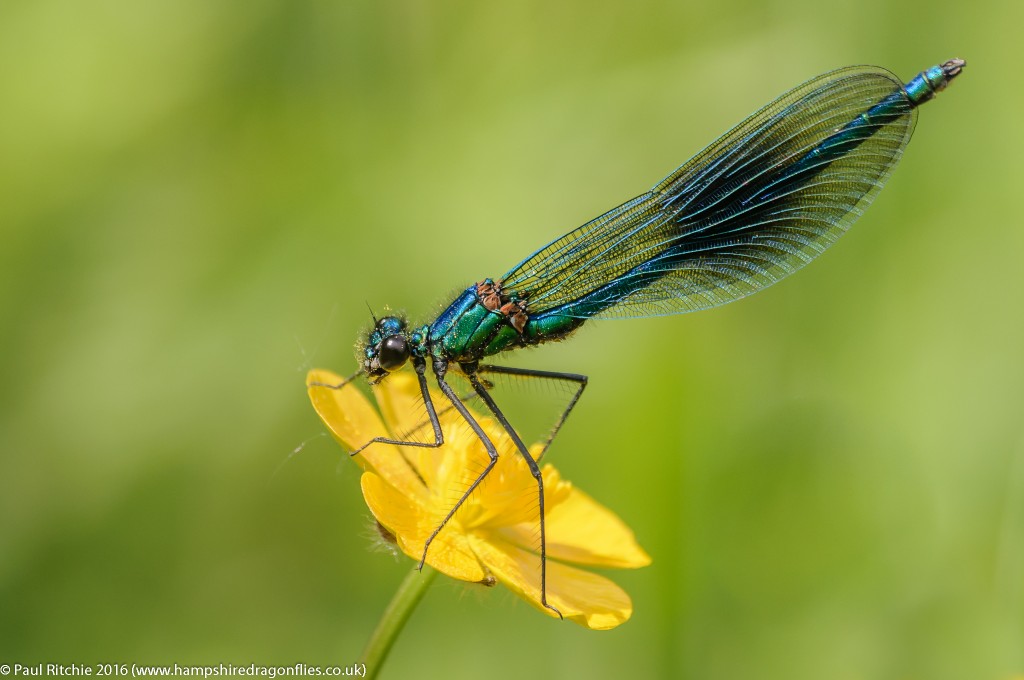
x,y
755,206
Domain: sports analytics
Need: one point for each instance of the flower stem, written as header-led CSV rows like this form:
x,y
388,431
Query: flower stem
x,y
391,623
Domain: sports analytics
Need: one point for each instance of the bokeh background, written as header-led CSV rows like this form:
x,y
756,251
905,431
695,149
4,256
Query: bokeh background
x,y
197,200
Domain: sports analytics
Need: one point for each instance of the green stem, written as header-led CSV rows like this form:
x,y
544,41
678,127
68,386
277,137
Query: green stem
x,y
391,623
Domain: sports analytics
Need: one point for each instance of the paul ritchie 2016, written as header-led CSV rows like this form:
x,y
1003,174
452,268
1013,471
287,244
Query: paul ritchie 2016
x,y
52,669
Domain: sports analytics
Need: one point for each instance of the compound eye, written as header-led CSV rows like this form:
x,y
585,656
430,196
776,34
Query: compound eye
x,y
393,352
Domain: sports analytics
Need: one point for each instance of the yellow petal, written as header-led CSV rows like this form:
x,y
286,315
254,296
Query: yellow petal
x,y
401,404
411,524
579,529
353,422
588,599
508,496
346,412
583,531
446,470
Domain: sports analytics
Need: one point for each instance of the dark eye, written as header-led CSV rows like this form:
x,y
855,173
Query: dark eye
x,y
393,353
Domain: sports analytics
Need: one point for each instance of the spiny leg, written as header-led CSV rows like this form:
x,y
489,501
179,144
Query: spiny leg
x,y
421,366
441,412
411,431
440,368
534,470
580,380
337,386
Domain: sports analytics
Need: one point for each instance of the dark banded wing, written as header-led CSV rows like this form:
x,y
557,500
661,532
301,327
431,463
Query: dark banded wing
x,y
752,208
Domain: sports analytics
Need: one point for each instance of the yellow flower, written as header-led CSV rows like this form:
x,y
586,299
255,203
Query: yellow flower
x,y
494,534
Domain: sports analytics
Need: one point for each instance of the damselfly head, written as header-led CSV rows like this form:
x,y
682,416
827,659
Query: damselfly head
x,y
386,348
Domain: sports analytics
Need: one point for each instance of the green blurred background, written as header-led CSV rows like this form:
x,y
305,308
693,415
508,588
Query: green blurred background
x,y
197,198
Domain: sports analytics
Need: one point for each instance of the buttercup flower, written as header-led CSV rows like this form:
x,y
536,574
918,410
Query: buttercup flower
x,y
494,534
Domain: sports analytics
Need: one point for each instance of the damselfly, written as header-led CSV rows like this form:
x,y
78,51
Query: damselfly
x,y
755,206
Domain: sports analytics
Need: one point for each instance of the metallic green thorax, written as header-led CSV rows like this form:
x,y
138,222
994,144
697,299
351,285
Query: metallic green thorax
x,y
481,322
